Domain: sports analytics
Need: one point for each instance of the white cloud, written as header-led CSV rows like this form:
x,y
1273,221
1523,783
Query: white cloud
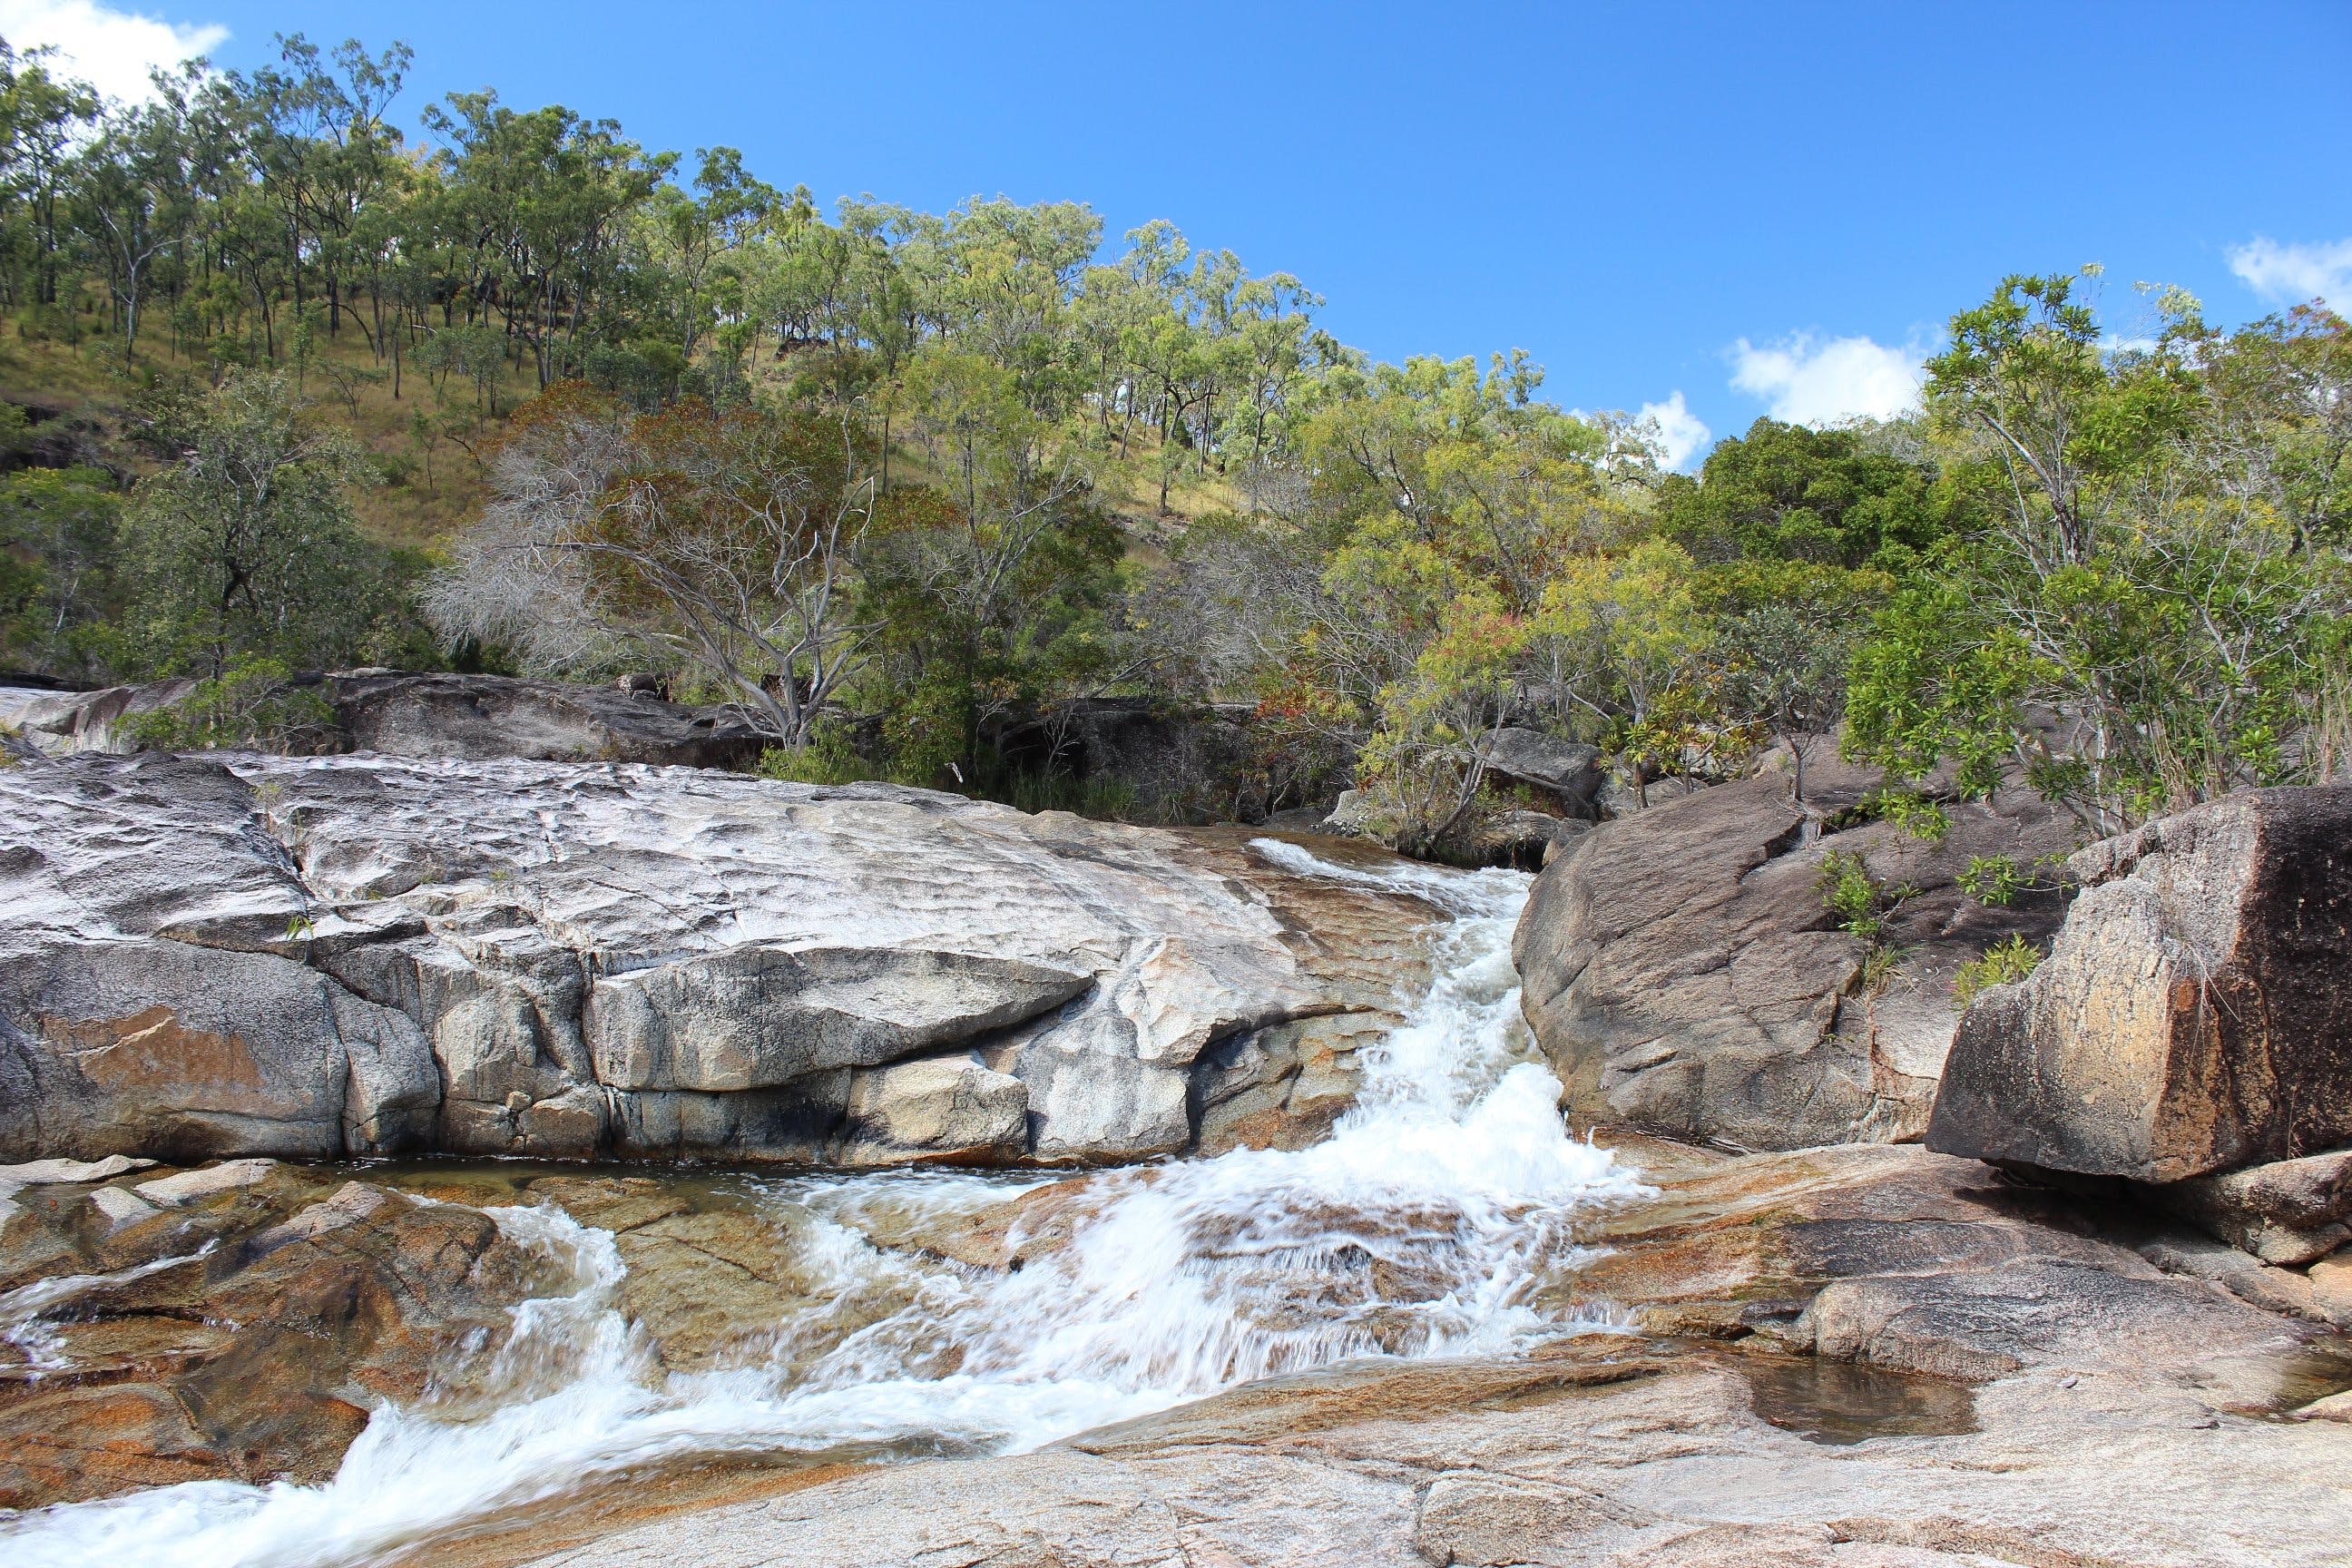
x,y
1677,433
2292,274
113,50
1804,381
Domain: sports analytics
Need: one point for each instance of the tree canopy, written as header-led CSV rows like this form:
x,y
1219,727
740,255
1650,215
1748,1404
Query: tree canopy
x,y
506,387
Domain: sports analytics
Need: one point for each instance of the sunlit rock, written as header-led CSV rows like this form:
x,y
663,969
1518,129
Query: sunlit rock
x,y
308,957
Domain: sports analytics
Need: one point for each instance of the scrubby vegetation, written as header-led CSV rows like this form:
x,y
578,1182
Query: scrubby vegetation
x,y
522,394
2003,964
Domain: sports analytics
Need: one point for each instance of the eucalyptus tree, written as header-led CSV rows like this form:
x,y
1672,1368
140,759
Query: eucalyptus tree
x,y
2146,619
132,195
325,153
703,235
243,541
541,199
41,120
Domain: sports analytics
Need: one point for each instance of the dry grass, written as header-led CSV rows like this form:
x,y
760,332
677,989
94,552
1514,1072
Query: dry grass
x,y
84,376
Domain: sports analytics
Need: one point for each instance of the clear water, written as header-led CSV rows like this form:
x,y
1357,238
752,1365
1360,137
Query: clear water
x,y
1424,1226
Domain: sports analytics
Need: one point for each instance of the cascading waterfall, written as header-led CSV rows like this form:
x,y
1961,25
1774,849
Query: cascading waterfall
x,y
1424,1226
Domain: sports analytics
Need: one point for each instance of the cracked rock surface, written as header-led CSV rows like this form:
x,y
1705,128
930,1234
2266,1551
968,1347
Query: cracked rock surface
x,y
310,957
1683,974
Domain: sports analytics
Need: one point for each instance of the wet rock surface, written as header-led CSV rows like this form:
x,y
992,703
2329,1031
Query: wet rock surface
x,y
243,1328
2193,1014
1868,1355
1869,1358
318,957
1683,974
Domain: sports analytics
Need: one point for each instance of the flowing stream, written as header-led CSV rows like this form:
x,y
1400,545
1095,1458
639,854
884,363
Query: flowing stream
x,y
1424,1226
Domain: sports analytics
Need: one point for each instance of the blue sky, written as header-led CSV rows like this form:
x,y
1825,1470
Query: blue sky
x,y
1631,193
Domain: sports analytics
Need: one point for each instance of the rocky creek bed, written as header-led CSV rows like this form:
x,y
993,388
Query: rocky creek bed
x,y
496,1162
1448,1332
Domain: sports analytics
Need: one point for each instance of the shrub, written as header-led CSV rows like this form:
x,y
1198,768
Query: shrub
x,y
1991,880
248,706
1105,800
2003,964
1849,893
1920,815
828,758
1997,879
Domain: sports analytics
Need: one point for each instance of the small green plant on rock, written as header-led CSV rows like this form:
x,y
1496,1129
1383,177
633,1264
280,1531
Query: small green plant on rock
x,y
828,758
1996,880
248,706
1920,815
2003,964
1879,967
1991,880
1861,904
1849,893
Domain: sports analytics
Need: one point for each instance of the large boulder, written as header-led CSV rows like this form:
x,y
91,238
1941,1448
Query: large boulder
x,y
937,1108
2288,1211
484,716
1570,771
2195,1013
427,715
1196,763
250,956
1683,974
152,998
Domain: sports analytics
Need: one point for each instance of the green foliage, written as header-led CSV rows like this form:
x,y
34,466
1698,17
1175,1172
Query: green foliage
x,y
1850,893
1786,633
2003,964
827,758
2142,623
1920,815
57,577
1997,880
249,706
1789,492
1991,880
1879,967
934,471
1859,902
1935,678
1104,800
242,545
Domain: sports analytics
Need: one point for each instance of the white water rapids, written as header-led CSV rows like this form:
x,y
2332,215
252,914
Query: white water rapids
x,y
1422,1227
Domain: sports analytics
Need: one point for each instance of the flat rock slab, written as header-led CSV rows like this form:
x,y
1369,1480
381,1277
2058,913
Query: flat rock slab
x,y
193,1186
1602,1456
426,715
38,1172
